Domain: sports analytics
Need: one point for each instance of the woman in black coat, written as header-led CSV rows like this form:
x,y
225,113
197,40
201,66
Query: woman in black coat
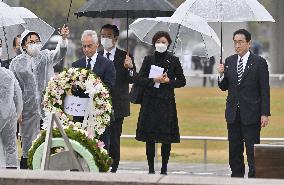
x,y
158,122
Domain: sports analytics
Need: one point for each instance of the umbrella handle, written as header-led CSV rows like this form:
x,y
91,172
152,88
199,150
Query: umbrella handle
x,y
69,12
5,35
221,43
127,22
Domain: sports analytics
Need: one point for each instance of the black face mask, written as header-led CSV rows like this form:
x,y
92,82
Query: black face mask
x,y
18,51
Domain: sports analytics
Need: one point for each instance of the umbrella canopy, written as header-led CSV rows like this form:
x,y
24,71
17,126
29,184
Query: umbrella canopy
x,y
9,23
226,11
31,22
34,23
185,32
8,16
126,8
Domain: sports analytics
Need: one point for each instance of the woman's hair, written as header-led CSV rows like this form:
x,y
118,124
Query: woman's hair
x,y
29,35
160,34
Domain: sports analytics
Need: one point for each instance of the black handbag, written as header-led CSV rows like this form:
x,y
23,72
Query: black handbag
x,y
136,94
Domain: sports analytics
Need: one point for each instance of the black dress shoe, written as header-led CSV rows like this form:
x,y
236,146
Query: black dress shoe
x,y
251,174
151,171
11,168
164,169
113,170
24,163
74,170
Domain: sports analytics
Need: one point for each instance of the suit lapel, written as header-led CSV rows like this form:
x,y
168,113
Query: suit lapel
x,y
234,68
249,66
118,56
83,62
97,63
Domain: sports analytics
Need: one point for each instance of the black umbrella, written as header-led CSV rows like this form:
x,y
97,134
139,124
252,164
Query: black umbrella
x,y
126,9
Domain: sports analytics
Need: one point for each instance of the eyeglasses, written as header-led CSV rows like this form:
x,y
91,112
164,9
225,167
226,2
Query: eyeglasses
x,y
239,42
34,42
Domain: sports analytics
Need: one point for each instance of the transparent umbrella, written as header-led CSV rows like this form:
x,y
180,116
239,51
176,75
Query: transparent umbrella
x,y
31,22
200,51
8,16
226,11
186,32
34,23
8,19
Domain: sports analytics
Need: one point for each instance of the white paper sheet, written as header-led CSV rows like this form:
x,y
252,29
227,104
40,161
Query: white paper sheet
x,y
75,106
154,72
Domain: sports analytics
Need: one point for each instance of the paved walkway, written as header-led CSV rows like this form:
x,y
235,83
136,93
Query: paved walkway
x,y
177,168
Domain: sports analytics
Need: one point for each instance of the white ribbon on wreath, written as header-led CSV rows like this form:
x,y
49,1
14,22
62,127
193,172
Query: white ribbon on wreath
x,y
90,123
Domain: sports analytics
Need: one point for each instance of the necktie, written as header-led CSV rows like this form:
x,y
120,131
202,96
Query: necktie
x,y
108,54
89,63
240,70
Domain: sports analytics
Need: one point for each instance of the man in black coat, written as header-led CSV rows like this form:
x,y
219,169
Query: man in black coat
x,y
125,68
101,66
246,77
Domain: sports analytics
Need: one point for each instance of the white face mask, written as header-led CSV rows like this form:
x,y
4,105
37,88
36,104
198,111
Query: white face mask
x,y
34,49
161,48
0,51
106,42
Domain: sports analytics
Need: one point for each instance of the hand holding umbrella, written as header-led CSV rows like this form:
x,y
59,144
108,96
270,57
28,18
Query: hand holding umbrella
x,y
64,31
128,62
221,69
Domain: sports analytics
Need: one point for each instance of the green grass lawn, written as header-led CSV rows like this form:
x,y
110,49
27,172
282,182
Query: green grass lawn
x,y
201,113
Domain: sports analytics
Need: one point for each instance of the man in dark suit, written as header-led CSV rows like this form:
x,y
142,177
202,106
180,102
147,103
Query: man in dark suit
x,y
246,77
101,66
125,68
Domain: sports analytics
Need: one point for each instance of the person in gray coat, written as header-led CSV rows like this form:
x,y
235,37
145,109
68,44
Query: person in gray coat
x,y
11,106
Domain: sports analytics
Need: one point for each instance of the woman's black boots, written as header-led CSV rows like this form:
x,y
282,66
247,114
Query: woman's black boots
x,y
150,152
165,151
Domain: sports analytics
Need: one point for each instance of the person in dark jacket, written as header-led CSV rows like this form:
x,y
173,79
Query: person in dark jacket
x,y
246,78
124,67
158,122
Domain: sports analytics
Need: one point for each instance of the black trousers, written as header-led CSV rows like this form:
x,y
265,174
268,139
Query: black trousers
x,y
114,145
105,137
238,135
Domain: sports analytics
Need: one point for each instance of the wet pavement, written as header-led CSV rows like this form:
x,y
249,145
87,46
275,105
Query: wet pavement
x,y
177,168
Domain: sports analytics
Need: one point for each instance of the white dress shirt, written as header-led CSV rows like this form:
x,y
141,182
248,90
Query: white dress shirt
x,y
112,53
245,60
93,61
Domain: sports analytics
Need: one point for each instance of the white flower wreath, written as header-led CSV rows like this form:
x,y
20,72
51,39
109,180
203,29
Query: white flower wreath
x,y
99,108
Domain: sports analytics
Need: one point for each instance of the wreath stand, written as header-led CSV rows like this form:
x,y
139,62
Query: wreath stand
x,y
67,160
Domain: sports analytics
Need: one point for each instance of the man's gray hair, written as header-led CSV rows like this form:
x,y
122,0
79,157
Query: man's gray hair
x,y
91,33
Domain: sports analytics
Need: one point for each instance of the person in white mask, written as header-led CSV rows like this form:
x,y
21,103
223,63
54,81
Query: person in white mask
x,y
125,68
33,69
158,122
